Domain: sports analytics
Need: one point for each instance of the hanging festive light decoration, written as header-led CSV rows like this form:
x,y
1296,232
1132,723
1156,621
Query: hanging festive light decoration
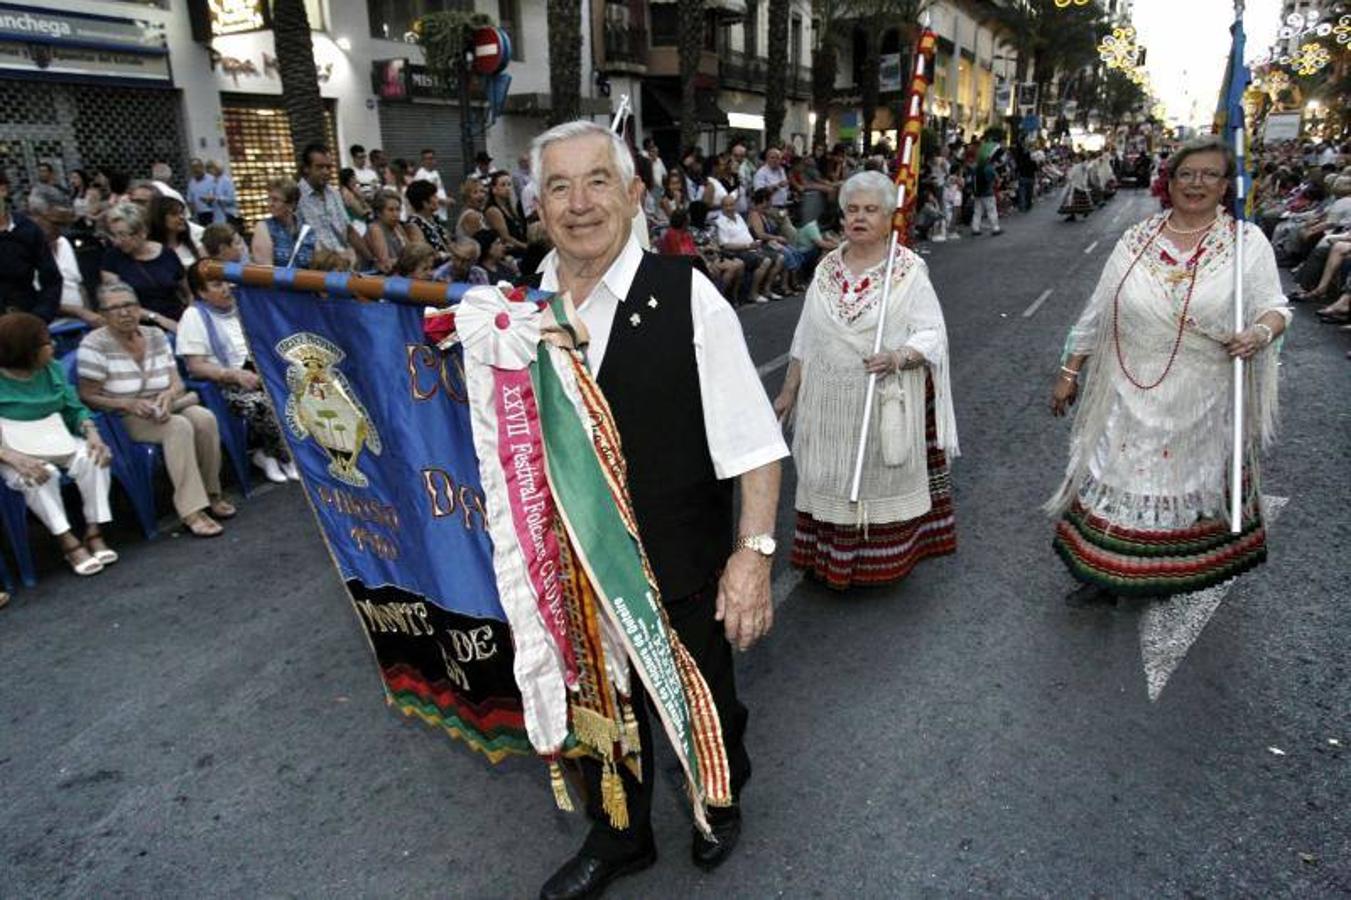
x,y
1118,49
1343,30
1061,4
1310,59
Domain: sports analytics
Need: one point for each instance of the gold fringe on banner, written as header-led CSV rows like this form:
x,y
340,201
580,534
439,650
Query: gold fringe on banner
x,y
560,787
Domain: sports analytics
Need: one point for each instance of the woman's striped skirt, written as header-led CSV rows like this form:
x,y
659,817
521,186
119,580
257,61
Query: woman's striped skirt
x,y
884,552
1137,562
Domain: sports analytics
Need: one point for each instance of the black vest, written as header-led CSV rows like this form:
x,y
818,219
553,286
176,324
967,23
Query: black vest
x,y
650,378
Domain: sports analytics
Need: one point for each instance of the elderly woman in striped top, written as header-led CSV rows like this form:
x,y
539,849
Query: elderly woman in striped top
x,y
127,368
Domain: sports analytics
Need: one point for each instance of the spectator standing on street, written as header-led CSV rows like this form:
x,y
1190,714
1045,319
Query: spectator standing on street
x,y
201,193
520,177
45,430
986,205
52,210
429,172
367,179
275,236
658,167
483,167
322,209
148,267
773,177
127,369
30,280
1027,176
226,207
211,343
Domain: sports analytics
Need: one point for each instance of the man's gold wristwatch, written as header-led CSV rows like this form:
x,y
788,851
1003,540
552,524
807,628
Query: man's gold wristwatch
x,y
762,544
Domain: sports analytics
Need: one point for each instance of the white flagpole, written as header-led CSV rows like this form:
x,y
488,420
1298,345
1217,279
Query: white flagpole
x,y
908,149
622,113
1241,193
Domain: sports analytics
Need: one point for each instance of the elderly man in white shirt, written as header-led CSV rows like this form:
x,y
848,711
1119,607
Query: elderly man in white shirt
x,y
735,239
773,177
693,419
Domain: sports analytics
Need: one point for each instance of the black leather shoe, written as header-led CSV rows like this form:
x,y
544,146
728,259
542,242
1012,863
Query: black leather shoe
x,y
726,825
587,876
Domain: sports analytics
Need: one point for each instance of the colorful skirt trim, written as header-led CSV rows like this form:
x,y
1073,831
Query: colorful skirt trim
x,y
1158,563
882,553
1077,202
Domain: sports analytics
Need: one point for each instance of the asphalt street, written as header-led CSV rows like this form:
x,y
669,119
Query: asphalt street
x,y
205,718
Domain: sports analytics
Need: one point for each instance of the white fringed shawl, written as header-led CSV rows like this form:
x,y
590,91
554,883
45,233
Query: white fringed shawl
x,y
829,410
1159,458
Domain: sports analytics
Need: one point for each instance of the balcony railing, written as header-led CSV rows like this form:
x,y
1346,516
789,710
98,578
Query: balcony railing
x,y
625,44
738,71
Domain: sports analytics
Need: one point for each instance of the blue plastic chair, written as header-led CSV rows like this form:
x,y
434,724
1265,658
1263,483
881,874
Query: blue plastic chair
x,y
14,514
66,336
134,464
234,431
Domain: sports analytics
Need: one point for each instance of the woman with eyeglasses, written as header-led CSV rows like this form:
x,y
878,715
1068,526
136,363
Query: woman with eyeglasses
x,y
152,269
45,430
127,369
1143,509
275,237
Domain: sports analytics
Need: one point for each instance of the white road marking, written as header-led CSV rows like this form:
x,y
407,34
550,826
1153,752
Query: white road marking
x,y
773,365
1036,304
1168,628
1090,248
784,584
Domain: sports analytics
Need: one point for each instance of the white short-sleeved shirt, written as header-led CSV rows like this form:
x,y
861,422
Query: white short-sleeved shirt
x,y
193,341
733,231
743,432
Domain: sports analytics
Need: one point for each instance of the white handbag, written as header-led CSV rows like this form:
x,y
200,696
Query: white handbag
x,y
894,425
46,438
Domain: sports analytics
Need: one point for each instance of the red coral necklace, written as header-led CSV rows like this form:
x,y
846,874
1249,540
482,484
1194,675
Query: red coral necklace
x,y
1193,264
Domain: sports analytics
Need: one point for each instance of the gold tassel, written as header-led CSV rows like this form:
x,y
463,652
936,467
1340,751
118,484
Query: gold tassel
x,y
594,730
613,799
560,787
631,743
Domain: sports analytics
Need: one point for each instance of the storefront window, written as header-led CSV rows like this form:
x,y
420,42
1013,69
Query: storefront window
x,y
258,140
393,19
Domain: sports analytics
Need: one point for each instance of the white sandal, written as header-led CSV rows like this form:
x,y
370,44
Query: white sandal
x,y
87,566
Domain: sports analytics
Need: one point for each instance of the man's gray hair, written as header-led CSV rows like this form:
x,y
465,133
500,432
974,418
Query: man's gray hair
x,y
162,172
127,213
619,150
45,199
110,288
874,183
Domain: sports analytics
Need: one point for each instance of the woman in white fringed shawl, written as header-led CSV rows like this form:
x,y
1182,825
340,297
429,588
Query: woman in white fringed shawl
x,y
1144,504
905,509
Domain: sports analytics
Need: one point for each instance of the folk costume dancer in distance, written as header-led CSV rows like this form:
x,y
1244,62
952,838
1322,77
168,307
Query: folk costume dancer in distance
x,y
1144,504
904,513
1076,200
670,358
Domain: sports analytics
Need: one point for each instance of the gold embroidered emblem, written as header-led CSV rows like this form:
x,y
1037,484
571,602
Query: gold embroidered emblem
x,y
323,406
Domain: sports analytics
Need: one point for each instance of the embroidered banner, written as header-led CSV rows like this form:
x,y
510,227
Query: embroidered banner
x,y
379,427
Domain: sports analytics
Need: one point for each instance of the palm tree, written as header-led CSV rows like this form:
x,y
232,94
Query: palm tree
x,y
299,80
829,15
776,77
876,17
691,40
1050,40
565,60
